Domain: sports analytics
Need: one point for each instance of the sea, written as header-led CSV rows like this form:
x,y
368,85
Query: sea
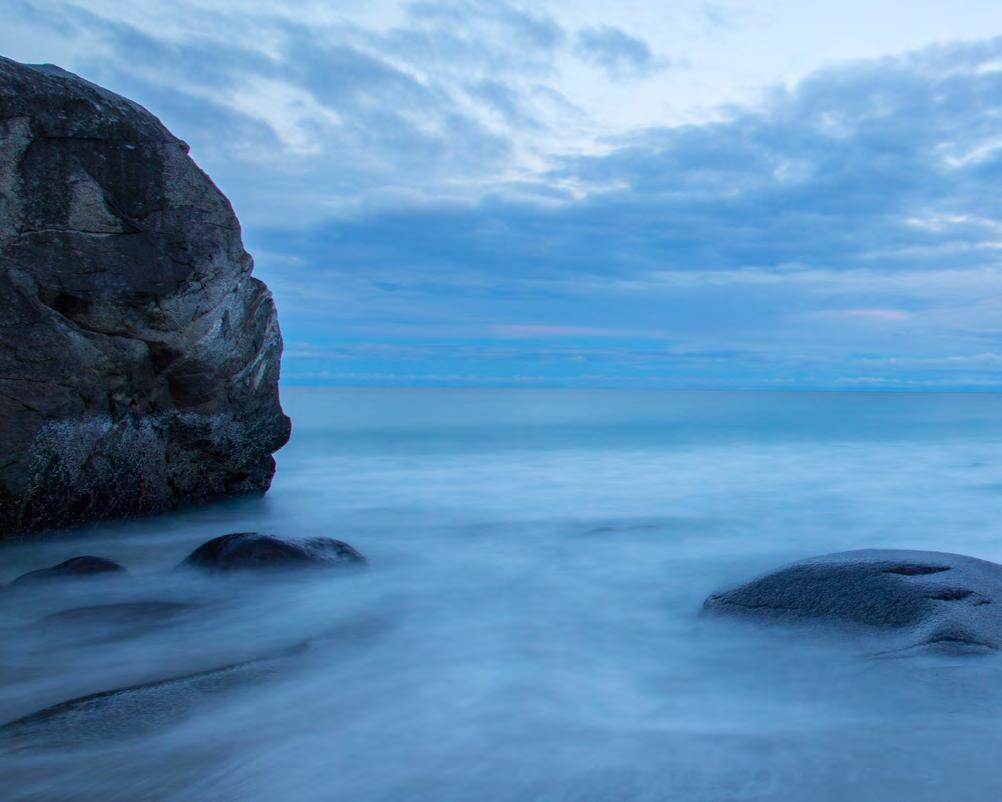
x,y
529,627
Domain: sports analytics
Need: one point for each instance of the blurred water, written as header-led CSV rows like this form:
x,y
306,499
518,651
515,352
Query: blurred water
x,y
529,627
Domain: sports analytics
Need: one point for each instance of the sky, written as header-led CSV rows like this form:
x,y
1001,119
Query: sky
x,y
572,193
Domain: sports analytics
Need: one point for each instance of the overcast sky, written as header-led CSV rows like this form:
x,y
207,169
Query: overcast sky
x,y
578,193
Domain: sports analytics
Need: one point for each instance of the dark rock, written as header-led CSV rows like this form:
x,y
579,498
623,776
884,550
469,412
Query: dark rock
x,y
251,551
75,567
139,359
911,599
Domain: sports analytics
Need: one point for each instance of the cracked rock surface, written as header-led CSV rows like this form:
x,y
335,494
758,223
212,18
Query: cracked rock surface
x,y
906,600
139,358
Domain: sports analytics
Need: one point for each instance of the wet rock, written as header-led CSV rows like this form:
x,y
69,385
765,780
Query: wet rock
x,y
910,600
253,551
75,567
139,358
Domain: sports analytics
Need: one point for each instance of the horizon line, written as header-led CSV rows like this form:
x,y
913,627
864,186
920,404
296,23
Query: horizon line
x,y
621,388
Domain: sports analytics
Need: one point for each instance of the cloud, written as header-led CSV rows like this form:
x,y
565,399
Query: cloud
x,y
825,227
424,201
532,331
473,28
623,56
873,315
983,359
304,117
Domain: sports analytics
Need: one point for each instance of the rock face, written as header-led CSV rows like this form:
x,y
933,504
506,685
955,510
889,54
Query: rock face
x,y
910,599
139,359
251,551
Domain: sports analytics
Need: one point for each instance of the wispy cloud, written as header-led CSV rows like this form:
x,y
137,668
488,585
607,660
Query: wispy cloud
x,y
551,330
623,56
873,315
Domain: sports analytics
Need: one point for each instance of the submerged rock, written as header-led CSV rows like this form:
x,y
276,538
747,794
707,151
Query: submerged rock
x,y
912,599
137,710
252,551
104,623
139,359
75,567
121,614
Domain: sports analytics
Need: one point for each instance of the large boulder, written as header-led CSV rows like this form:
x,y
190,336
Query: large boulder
x,y
907,599
139,359
254,551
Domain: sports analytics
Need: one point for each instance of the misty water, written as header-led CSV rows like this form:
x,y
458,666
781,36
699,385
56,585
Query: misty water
x,y
529,627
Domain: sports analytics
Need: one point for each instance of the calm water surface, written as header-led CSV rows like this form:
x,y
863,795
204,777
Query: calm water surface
x,y
529,628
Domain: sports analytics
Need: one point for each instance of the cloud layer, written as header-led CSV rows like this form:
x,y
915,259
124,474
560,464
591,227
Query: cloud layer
x,y
431,208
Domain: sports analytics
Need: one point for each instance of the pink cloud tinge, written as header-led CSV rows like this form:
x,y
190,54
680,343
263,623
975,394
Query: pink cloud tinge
x,y
877,314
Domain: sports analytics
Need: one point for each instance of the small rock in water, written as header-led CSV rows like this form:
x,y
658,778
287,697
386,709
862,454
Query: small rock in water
x,y
916,600
243,551
72,568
